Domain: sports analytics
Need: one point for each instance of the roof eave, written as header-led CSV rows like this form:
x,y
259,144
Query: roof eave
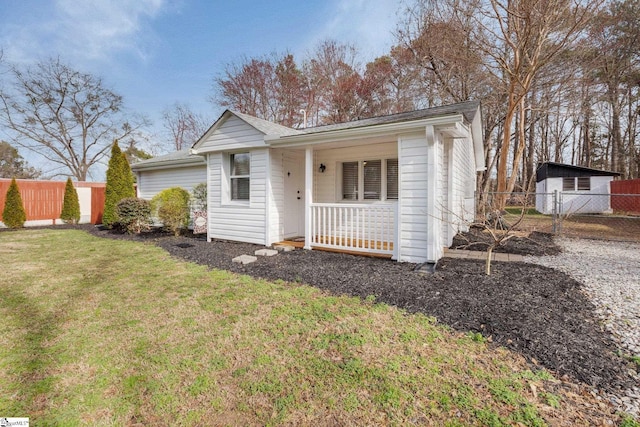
x,y
196,161
359,132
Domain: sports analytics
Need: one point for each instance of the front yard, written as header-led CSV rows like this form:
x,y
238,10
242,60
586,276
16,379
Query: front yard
x,y
105,332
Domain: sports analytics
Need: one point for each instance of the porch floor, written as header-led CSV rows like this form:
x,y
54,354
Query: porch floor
x,y
297,243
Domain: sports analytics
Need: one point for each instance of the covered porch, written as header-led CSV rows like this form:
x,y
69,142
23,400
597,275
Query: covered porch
x,y
350,229
342,197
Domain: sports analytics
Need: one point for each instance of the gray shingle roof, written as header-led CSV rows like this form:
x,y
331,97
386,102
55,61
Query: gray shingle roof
x,y
177,157
265,126
467,109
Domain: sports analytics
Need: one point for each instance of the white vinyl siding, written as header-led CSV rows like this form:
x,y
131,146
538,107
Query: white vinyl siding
x,y
463,182
413,236
275,227
233,135
151,182
244,222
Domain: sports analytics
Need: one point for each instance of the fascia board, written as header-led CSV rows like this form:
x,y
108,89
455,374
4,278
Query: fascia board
x,y
170,164
354,133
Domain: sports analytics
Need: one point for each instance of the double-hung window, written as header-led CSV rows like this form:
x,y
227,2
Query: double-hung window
x,y
240,164
370,180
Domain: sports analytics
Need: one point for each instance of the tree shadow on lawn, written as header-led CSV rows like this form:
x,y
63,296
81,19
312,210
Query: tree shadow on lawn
x,y
534,310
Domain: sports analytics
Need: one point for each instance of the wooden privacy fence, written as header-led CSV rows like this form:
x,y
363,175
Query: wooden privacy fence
x,y
43,199
625,195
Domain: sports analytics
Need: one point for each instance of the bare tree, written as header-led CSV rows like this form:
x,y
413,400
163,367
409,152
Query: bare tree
x,y
249,87
615,34
68,117
527,36
183,126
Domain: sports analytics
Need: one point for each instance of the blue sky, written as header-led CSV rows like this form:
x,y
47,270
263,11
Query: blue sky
x,y
158,52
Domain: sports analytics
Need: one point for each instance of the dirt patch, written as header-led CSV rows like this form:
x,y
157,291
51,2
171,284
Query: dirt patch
x,y
536,311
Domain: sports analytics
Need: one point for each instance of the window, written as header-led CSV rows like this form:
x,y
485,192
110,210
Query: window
x,y
392,179
350,180
568,184
584,183
365,180
240,166
372,179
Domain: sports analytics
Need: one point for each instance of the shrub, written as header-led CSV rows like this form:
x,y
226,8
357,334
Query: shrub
x,y
199,195
171,206
119,185
70,205
13,214
134,215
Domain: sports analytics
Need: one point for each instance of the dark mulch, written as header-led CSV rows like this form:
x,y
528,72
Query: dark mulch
x,y
535,243
531,309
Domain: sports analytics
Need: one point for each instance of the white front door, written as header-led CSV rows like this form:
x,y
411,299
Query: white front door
x,y
293,194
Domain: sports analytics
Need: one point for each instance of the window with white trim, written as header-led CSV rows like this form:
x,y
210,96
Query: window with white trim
x,y
372,171
370,180
350,181
392,179
240,164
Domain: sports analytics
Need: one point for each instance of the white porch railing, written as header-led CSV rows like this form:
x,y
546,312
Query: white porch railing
x,y
354,227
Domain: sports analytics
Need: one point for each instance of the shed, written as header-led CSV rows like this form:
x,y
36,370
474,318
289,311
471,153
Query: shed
x,y
579,189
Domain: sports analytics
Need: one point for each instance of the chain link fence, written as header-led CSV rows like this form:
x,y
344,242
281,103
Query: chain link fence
x,y
571,214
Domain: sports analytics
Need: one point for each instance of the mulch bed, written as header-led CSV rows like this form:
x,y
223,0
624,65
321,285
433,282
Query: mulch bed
x,y
535,243
536,311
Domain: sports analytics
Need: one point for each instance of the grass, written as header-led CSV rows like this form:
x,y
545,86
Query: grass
x,y
101,332
518,211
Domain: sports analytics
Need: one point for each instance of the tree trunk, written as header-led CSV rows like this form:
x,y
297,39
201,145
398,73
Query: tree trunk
x,y
616,136
520,149
530,167
504,151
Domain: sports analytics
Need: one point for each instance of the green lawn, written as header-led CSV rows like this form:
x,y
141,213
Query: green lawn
x,y
102,332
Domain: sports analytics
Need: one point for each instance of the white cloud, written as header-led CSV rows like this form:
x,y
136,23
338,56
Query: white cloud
x,y
85,30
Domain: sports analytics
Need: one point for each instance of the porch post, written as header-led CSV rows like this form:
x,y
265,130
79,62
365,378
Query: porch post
x,y
434,224
308,195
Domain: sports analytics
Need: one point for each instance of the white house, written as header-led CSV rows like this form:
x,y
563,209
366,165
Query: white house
x,y
577,189
400,185
178,169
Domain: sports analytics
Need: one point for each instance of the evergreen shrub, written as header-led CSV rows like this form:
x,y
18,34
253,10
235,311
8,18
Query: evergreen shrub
x,y
171,206
71,205
119,185
13,213
134,215
199,196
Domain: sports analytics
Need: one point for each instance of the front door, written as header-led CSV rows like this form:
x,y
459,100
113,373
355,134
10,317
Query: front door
x,y
293,194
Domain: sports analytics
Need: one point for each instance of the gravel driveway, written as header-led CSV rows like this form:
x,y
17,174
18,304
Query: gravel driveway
x,y
610,273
